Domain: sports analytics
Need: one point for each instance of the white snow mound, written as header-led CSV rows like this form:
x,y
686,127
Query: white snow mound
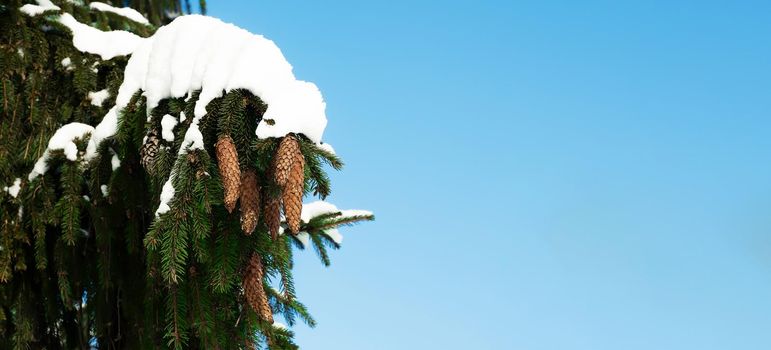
x,y
88,39
14,189
63,139
197,52
98,97
42,6
105,44
167,194
168,122
318,208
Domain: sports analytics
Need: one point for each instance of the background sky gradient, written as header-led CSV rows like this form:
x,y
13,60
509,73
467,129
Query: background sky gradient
x,y
545,175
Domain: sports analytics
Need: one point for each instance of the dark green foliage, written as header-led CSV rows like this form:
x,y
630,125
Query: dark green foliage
x,y
84,259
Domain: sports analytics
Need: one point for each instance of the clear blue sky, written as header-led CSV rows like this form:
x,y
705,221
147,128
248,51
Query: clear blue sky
x,y
546,175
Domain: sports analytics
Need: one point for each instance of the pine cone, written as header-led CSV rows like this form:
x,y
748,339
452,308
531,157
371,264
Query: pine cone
x,y
272,215
293,194
149,150
250,201
227,157
285,156
254,289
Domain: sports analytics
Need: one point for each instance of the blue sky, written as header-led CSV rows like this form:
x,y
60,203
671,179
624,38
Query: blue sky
x,y
546,175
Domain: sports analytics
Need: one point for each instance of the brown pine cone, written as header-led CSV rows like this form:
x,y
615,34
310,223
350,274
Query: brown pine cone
x,y
250,201
272,214
149,151
227,158
254,289
292,195
286,155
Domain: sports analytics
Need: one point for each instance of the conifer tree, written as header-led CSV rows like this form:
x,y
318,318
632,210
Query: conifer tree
x,y
143,213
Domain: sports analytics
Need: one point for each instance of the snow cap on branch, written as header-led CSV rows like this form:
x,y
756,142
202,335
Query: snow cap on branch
x,y
105,44
193,139
42,6
127,12
318,208
66,62
167,194
168,122
14,189
203,53
197,52
115,160
88,39
98,97
63,139
106,128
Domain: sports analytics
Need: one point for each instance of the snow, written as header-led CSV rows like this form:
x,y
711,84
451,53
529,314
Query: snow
x,y
193,139
106,128
122,11
42,6
167,194
104,190
105,44
98,97
317,208
63,139
115,160
66,62
89,39
314,209
197,52
167,127
335,235
172,14
182,117
355,212
13,190
326,147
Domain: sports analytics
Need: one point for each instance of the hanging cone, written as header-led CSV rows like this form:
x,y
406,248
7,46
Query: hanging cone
x,y
255,291
149,150
250,201
285,156
293,194
227,158
272,215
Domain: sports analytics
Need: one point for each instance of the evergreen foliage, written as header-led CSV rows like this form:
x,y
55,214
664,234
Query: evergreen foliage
x,y
84,260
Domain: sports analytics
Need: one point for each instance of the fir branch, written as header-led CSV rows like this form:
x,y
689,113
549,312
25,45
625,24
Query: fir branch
x,y
320,249
343,221
176,325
